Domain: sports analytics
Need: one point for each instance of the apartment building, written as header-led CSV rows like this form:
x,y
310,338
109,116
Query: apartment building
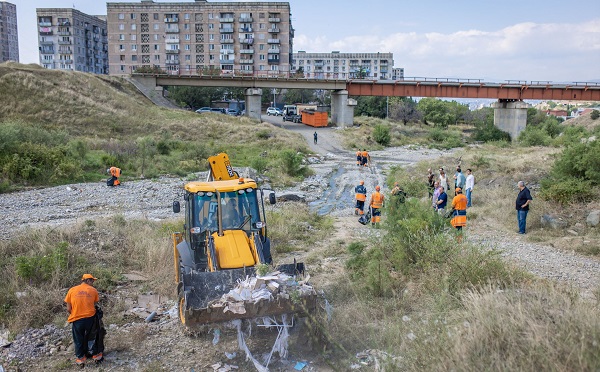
x,y
9,39
246,38
71,40
336,65
398,73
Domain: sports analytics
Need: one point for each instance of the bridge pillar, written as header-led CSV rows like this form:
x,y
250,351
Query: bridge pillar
x,y
342,108
510,116
253,102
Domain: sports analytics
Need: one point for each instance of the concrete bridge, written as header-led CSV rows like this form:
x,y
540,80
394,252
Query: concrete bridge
x,y
510,112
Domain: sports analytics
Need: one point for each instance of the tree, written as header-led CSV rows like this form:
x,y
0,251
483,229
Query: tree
x,y
299,95
194,97
435,111
371,106
595,114
406,111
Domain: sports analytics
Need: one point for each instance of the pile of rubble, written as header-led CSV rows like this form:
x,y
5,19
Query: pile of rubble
x,y
34,343
273,286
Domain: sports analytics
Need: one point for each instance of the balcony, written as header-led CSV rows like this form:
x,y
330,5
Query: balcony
x,y
64,42
273,51
46,32
65,61
246,41
245,72
245,29
47,51
226,30
274,19
246,61
226,51
319,64
226,20
226,41
46,43
65,51
173,30
226,61
64,33
172,51
274,30
246,20
45,23
172,61
246,51
172,20
273,61
172,41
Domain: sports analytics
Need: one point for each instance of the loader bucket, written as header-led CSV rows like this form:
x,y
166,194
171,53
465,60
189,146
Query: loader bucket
x,y
199,290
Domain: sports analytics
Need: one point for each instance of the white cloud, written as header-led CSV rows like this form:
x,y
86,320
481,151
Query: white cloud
x,y
524,51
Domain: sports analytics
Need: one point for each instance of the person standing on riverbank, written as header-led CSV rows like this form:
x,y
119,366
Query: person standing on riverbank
x,y
522,205
361,196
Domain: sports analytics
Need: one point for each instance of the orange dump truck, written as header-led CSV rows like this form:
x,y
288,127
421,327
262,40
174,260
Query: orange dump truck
x,y
314,118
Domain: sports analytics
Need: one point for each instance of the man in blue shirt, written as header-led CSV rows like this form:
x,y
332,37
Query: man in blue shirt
x,y
522,205
442,200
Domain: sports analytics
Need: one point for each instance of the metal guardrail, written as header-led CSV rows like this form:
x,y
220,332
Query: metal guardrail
x,y
183,71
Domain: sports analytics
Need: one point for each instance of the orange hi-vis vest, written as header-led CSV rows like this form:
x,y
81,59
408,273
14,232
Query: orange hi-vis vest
x,y
361,193
115,172
377,200
365,154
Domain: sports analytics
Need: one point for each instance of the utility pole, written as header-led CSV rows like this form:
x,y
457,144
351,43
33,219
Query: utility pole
x,y
274,92
387,105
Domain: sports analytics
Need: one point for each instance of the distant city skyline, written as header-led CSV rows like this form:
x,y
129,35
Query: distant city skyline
x,y
535,40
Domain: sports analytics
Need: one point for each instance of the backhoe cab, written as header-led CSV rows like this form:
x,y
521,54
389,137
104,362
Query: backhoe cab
x,y
223,240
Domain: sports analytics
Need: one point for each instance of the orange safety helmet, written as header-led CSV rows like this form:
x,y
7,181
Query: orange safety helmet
x,y
362,182
377,188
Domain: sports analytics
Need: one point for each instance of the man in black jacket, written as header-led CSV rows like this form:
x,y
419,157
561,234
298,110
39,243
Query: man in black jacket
x,y
522,206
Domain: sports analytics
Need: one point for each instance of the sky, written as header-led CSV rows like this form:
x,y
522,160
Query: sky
x,y
525,40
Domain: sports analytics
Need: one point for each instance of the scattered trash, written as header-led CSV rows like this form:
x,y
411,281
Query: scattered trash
x,y
218,367
299,366
217,336
230,355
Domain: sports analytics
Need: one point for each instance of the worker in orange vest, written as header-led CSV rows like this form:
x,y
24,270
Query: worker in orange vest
x,y
358,158
365,157
115,173
361,197
377,200
459,206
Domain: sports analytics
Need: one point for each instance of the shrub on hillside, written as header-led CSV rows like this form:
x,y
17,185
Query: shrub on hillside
x,y
381,134
488,133
566,191
595,114
292,163
446,139
534,136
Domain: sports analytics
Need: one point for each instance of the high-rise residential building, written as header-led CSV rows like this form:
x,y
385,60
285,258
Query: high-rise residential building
x,y
245,38
71,40
9,39
398,73
336,65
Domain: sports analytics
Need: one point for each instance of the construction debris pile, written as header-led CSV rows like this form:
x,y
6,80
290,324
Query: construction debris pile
x,y
271,287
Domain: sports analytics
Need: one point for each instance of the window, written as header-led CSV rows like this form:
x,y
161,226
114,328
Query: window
x,y
188,37
261,47
261,26
121,37
261,57
186,26
122,67
121,15
132,15
133,47
211,47
133,27
210,16
186,16
211,57
133,37
156,37
211,37
156,47
157,58
188,57
156,26
211,26
134,58
121,47
187,47
155,16
121,26
121,57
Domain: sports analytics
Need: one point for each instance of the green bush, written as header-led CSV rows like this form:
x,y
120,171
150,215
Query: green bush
x,y
534,136
566,191
292,163
40,268
580,160
437,134
488,133
381,134
445,139
595,114
259,163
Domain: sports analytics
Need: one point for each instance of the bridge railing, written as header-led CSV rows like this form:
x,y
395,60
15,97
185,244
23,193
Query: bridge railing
x,y
189,71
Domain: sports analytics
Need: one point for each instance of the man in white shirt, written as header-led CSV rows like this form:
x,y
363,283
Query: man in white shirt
x,y
469,186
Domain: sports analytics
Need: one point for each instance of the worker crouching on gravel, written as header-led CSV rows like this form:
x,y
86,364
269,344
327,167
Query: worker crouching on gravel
x,y
459,206
81,301
361,197
376,204
115,173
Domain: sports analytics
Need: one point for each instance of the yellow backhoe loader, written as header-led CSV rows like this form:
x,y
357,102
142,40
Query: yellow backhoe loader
x,y
223,241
